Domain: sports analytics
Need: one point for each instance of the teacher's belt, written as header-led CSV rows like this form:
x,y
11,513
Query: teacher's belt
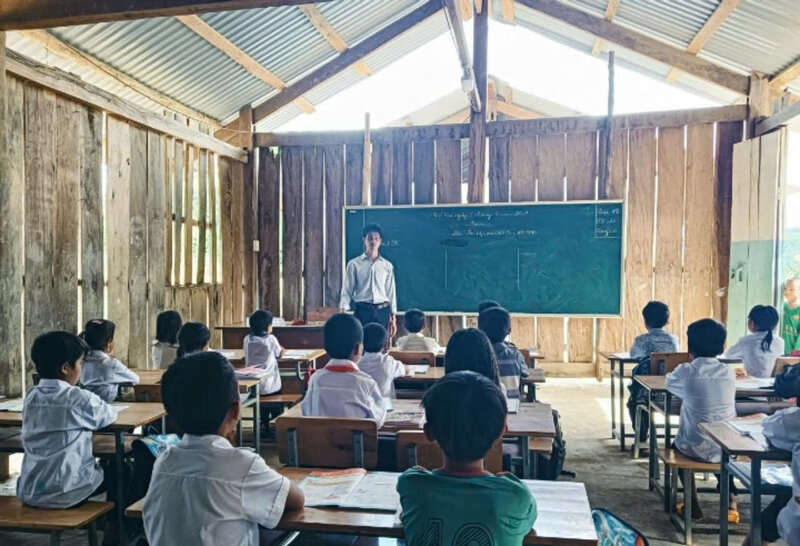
x,y
376,306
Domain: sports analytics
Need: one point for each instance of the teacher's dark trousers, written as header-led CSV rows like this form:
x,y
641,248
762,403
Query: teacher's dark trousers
x,y
373,312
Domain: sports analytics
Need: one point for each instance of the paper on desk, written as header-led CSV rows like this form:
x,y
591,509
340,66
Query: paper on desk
x,y
418,368
755,383
298,353
226,354
330,488
413,419
120,407
752,428
11,405
513,405
376,491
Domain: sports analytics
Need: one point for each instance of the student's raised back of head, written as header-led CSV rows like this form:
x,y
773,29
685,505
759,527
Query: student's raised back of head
x,y
374,337
706,338
259,322
465,413
168,324
487,304
343,335
470,349
52,350
414,320
193,337
98,334
495,322
655,314
198,390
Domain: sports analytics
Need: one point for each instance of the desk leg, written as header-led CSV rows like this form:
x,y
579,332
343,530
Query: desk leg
x,y
651,456
755,501
613,408
724,494
526,457
621,405
667,424
257,420
119,460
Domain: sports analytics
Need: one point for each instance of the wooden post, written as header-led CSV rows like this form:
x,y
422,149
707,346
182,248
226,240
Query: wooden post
x,y
758,101
366,172
249,231
477,126
605,166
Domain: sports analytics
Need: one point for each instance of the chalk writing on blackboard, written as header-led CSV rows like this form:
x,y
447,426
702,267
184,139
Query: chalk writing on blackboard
x,y
607,222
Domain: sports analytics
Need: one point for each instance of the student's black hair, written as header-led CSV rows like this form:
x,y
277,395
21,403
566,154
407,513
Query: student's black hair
x,y
465,413
765,318
374,337
372,228
98,333
168,324
198,389
414,320
655,314
495,322
51,350
470,349
488,304
193,337
342,333
259,322
706,338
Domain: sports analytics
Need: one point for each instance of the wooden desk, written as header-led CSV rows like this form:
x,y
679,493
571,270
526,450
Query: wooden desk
x,y
290,337
618,360
236,358
564,515
732,444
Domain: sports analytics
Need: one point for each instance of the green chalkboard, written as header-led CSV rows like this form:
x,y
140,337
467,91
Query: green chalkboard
x,y
537,258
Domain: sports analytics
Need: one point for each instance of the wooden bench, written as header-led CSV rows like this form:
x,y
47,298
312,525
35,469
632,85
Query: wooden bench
x,y
327,442
102,445
283,400
17,517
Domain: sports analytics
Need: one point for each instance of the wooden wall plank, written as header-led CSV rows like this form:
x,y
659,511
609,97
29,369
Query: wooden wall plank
x,y
728,134
381,182
423,171
699,279
401,173
169,161
67,214
581,174
11,235
178,176
158,230
118,197
215,311
213,198
669,223
499,169
249,234
334,240
292,187
199,296
237,215
138,344
183,302
354,163
226,226
448,190
202,214
190,164
313,258
269,230
639,260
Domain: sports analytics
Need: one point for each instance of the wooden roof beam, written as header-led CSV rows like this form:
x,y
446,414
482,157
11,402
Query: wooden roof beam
x,y
611,12
644,45
28,14
785,76
508,10
715,20
216,39
330,34
462,49
346,59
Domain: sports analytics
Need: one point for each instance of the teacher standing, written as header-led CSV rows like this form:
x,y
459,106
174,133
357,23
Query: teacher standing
x,y
369,284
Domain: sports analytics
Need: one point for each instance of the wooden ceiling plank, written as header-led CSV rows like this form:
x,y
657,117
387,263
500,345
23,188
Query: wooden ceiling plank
x,y
331,35
611,12
508,10
786,76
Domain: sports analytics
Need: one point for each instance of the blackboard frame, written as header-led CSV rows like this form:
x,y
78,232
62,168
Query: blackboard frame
x,y
623,253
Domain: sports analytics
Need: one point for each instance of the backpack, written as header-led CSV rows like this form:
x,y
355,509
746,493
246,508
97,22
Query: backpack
x,y
551,466
787,383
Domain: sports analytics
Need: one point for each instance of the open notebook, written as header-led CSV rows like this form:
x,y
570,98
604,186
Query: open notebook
x,y
418,368
352,488
750,427
11,405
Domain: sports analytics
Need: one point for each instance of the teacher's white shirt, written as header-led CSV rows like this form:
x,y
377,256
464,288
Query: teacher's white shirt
x,y
368,281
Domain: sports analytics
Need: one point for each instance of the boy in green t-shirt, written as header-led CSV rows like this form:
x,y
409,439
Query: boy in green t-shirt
x,y
461,503
790,325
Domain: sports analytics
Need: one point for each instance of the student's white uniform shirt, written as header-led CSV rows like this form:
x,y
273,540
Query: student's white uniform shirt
x,y
782,428
789,516
206,492
369,282
58,468
263,352
340,389
103,374
707,389
417,342
757,362
383,369
163,354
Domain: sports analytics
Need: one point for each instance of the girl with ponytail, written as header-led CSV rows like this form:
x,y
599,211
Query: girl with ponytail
x,y
761,347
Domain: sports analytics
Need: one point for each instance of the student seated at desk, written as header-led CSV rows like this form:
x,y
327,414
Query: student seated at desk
x,y
461,503
101,373
707,389
495,322
204,491
341,389
381,367
414,321
470,349
165,346
58,468
193,338
262,350
760,349
657,339
789,517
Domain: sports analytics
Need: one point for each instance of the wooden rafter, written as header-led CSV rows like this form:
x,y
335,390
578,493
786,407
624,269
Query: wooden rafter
x,y
785,76
28,14
644,45
516,112
611,12
66,51
712,24
462,49
464,9
508,10
215,38
331,35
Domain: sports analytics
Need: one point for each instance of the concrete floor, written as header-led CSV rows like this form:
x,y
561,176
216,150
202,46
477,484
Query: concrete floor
x,y
613,480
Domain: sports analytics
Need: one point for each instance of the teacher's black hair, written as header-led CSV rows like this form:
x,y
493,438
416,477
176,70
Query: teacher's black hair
x,y
372,228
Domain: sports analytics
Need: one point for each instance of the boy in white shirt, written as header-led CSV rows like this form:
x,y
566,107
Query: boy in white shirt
x,y
414,322
101,373
204,491
760,349
262,350
789,517
381,367
341,389
707,389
